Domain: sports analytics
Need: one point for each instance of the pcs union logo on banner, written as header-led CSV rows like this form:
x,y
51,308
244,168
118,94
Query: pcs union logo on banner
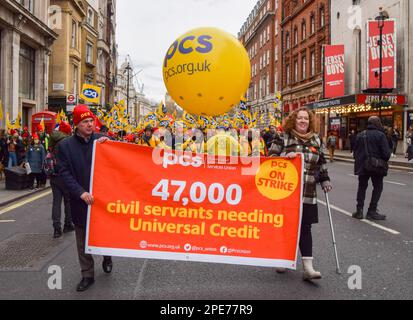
x,y
90,93
207,71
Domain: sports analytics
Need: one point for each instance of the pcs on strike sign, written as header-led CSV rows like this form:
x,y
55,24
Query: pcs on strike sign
x,y
179,206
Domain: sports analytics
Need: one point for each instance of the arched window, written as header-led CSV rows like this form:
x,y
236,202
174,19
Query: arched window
x,y
90,17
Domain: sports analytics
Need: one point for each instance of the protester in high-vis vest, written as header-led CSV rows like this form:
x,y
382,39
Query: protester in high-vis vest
x,y
148,139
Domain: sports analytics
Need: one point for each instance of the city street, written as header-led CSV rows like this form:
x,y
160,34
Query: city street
x,y
383,251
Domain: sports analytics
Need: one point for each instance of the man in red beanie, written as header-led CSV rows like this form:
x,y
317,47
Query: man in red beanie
x,y
75,161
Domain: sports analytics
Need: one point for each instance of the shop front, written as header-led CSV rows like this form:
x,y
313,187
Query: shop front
x,y
351,113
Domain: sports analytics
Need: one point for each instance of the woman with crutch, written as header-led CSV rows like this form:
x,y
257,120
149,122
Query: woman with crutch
x,y
300,137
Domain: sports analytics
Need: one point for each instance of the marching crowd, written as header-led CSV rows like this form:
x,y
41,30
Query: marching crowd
x,y
65,156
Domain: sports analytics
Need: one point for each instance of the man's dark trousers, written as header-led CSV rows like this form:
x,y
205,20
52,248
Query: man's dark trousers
x,y
377,191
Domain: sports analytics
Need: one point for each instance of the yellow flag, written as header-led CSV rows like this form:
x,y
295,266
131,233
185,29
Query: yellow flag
x,y
1,110
8,123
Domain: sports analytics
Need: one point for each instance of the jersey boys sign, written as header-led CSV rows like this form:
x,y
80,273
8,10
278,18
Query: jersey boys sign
x,y
334,74
389,50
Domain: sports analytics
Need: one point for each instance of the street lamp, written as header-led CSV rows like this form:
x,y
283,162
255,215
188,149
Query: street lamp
x,y
128,69
381,18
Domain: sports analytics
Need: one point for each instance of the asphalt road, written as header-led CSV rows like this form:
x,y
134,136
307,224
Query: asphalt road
x,y
382,252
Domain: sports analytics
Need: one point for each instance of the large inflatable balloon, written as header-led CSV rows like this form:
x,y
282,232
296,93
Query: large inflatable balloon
x,y
207,71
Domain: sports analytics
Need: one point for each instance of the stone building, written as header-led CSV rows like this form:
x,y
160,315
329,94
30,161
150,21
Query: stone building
x,y
26,38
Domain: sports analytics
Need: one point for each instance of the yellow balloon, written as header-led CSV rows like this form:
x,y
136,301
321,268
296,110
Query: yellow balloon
x,y
207,71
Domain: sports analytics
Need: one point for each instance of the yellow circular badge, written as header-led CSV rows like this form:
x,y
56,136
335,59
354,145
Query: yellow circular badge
x,y
207,71
277,179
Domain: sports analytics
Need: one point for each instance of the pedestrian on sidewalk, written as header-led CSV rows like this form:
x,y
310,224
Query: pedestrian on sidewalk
x,y
376,143
3,148
353,138
14,146
395,140
35,157
59,189
44,140
300,137
409,141
331,145
75,165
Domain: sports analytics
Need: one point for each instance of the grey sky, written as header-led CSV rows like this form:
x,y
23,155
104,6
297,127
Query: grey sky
x,y
146,29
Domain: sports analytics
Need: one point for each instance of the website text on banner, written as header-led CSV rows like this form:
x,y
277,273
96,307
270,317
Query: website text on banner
x,y
180,206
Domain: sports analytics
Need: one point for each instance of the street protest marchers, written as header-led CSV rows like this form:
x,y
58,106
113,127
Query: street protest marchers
x,y
249,178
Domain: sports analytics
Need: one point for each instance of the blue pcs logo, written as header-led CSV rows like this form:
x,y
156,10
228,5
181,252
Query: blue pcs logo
x,y
91,94
187,45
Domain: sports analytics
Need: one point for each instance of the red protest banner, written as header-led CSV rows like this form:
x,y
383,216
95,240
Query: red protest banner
x,y
179,206
334,72
389,54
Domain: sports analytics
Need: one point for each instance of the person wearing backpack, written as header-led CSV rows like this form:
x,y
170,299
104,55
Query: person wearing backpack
x,y
59,189
331,145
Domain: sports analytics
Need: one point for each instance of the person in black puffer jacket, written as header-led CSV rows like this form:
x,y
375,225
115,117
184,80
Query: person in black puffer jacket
x,y
379,148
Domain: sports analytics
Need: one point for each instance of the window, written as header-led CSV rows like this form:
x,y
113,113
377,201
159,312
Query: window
x,y
295,36
89,52
303,30
312,57
322,17
268,85
303,67
75,79
27,72
74,34
312,24
28,4
287,40
90,17
287,70
276,27
276,53
296,71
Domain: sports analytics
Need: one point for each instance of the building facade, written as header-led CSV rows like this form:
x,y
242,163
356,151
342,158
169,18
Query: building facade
x,y
261,37
305,28
107,51
90,42
66,57
26,39
349,28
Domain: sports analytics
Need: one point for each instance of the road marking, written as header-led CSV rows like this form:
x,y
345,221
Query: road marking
x,y
396,183
386,181
378,226
22,203
7,221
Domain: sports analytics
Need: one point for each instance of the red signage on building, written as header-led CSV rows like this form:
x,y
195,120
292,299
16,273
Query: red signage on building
x,y
395,100
334,73
388,57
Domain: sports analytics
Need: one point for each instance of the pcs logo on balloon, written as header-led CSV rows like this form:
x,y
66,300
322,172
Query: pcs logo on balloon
x,y
187,46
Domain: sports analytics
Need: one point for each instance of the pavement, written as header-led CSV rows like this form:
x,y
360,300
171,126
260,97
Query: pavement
x,y
9,196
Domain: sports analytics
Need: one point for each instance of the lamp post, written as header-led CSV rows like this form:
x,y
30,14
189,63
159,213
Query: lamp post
x,y
128,69
380,21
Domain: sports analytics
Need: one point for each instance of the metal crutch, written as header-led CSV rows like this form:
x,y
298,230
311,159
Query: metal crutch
x,y
332,232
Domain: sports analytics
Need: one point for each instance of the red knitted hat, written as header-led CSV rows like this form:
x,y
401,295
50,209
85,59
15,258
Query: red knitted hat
x,y
65,128
81,113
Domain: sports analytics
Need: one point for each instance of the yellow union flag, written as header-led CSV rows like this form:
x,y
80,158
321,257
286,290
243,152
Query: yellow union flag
x,y
91,93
